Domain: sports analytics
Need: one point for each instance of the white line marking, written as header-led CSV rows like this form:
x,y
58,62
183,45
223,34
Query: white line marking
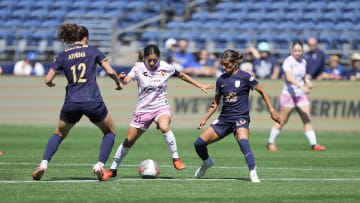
x,y
182,179
170,166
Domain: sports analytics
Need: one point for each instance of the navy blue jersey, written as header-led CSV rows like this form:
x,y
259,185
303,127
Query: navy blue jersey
x,y
79,64
234,90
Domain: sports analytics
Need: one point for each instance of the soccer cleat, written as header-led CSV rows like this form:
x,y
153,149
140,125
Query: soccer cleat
x,y
178,164
318,148
271,147
39,172
254,177
99,170
202,169
111,173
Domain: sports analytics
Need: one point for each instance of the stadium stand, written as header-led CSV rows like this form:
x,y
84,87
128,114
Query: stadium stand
x,y
123,27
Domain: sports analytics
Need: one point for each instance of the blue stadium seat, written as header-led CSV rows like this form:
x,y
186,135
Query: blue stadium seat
x,y
200,16
13,23
65,4
225,6
150,36
178,25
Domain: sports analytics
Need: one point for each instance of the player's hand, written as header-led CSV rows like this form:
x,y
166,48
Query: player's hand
x,y
119,86
276,117
205,87
305,89
201,124
121,76
50,84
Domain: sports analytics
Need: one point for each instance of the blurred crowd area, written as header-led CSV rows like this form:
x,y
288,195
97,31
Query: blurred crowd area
x,y
263,30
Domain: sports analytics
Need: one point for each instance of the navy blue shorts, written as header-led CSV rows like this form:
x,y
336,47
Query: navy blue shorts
x,y
72,112
224,128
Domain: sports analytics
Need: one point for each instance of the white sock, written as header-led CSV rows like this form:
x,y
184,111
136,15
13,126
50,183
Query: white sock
x,y
311,137
120,154
44,164
171,142
274,133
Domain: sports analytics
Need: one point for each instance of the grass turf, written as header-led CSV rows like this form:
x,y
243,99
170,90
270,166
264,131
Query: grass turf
x,y
293,174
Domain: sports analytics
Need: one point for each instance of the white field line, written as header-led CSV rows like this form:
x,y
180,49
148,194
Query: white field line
x,y
185,179
187,166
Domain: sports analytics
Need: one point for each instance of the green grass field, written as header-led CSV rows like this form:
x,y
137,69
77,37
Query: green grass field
x,y
293,174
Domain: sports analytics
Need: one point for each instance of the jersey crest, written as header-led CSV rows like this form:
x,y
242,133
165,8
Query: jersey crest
x,y
237,83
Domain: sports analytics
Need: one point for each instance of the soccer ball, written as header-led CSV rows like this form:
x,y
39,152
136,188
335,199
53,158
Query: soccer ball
x,y
148,169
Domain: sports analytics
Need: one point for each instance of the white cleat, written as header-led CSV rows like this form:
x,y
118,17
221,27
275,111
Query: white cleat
x,y
254,177
99,171
202,169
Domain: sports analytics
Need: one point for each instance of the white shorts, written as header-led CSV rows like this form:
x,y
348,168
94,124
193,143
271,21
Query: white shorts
x,y
143,120
287,100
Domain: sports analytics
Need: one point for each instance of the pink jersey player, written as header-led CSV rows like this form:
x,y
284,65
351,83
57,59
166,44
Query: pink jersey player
x,y
151,76
294,95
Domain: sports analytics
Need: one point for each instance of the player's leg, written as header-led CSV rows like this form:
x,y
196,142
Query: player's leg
x,y
287,105
207,137
242,137
61,131
133,134
305,115
285,113
163,122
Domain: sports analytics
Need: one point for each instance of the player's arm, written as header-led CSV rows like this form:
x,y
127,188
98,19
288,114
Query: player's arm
x,y
276,72
111,72
210,111
188,79
49,78
290,78
274,115
124,79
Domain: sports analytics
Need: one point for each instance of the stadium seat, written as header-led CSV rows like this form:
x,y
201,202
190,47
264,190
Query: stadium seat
x,y
199,16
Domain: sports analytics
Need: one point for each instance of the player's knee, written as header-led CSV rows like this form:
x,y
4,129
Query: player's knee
x,y
199,143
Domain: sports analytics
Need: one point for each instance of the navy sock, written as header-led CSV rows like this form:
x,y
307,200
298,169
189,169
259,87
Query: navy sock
x,y
106,147
201,148
52,146
248,154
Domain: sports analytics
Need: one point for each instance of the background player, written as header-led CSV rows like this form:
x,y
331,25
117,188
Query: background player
x,y
151,75
294,96
233,87
79,63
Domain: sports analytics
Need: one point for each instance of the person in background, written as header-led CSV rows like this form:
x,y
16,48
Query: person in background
x,y
315,59
207,63
29,66
186,60
1,70
294,96
266,65
247,64
335,71
171,47
79,63
354,73
232,91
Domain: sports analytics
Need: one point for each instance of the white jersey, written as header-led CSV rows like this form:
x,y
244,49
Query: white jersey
x,y
152,86
298,70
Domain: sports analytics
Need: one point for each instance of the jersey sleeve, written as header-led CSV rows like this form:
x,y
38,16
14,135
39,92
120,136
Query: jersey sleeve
x,y
100,56
133,72
287,65
56,65
252,81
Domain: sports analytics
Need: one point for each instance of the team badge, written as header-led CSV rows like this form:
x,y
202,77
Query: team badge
x,y
237,83
240,122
